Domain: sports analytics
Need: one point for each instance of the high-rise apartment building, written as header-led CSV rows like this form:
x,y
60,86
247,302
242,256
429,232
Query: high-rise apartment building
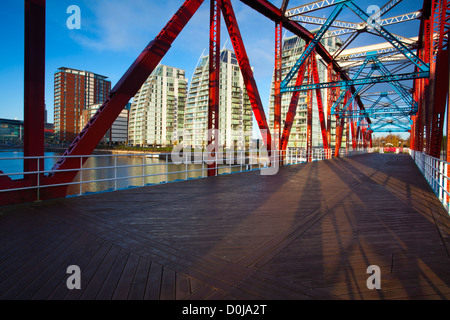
x,y
293,47
75,90
235,112
157,110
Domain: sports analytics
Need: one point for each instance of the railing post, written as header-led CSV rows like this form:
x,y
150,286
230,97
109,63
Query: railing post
x,y
167,168
143,170
81,175
115,172
38,179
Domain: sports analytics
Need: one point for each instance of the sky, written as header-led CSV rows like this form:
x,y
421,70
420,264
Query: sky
x,y
114,32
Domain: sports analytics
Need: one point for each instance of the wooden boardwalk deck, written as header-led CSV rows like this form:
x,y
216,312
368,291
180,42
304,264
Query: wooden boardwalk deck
x,y
309,232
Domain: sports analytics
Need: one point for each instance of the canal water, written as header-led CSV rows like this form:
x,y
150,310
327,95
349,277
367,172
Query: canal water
x,y
113,172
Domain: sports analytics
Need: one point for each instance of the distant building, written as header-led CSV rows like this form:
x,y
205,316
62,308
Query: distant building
x,y
11,131
118,133
75,90
235,112
157,110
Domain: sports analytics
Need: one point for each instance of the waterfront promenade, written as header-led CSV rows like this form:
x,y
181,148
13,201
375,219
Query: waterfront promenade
x,y
309,232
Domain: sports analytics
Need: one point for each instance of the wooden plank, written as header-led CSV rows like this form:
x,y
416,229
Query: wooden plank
x,y
154,282
95,283
111,281
126,279
12,286
167,285
140,280
56,287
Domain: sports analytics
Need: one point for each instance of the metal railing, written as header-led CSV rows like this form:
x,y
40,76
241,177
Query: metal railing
x,y
111,172
435,172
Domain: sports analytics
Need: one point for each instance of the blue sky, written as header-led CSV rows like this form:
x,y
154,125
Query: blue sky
x,y
114,32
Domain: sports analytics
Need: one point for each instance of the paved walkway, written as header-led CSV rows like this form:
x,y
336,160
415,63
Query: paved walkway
x,y
309,232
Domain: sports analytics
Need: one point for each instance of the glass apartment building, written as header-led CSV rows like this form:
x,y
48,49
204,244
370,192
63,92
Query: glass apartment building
x,y
235,112
74,91
157,110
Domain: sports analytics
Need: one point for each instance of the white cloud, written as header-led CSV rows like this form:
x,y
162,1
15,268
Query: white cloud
x,y
116,25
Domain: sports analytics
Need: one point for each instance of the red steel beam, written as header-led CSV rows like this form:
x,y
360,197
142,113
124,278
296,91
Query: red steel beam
x,y
214,87
34,86
277,83
309,104
247,73
316,79
292,111
34,106
439,79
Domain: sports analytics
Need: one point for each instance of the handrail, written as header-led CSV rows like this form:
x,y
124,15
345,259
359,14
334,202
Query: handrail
x,y
435,172
240,161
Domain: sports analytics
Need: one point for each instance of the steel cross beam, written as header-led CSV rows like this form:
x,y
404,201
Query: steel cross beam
x,y
389,37
398,88
369,80
310,7
321,21
381,112
353,96
310,47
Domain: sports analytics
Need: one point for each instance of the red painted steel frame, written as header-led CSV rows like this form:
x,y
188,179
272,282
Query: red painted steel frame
x,y
439,79
309,103
34,106
277,84
247,73
34,88
315,74
214,87
290,115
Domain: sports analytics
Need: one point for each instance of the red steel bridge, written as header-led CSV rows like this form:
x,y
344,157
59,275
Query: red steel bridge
x,y
351,105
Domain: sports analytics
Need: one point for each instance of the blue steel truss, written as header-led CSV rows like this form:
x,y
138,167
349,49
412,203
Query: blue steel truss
x,y
388,114
368,80
313,43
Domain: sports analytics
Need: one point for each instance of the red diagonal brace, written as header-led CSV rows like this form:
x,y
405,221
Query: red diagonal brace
x,y
290,115
316,79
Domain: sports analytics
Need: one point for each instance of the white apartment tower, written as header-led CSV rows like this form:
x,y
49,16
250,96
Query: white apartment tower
x,y
293,47
235,112
157,110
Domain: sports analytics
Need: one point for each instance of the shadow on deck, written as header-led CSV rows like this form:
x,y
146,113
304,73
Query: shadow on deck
x,y
309,232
